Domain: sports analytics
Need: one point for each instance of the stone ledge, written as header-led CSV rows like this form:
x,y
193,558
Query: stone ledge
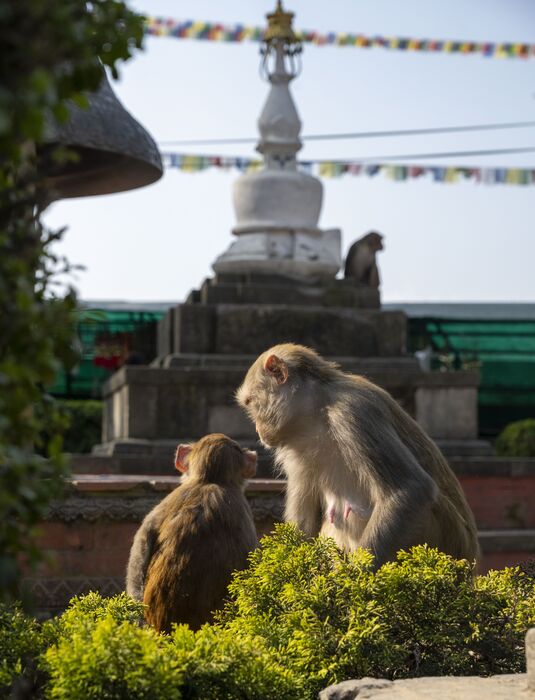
x,y
218,328
512,467
448,380
504,687
336,292
357,365
154,376
500,501
155,457
465,449
176,369
126,482
507,541
128,498
161,403
132,453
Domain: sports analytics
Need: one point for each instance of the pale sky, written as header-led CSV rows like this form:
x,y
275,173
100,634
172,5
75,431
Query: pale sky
x,y
444,242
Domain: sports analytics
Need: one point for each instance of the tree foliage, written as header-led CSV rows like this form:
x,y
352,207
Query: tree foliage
x,y
84,418
51,54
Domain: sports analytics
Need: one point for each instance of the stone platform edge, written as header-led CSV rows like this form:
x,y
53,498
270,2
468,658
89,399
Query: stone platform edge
x,y
129,497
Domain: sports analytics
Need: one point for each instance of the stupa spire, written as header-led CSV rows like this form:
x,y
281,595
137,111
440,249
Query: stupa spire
x,y
278,207
279,122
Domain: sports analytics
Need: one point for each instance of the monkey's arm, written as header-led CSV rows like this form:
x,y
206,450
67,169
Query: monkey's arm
x,y
303,506
373,277
141,553
403,492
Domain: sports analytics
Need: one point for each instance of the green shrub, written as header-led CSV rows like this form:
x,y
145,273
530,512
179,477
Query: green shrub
x,y
89,609
104,658
327,616
303,616
101,652
216,664
517,439
21,642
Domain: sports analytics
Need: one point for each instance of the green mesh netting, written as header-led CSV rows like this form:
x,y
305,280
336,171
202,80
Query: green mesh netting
x,y
504,353
108,339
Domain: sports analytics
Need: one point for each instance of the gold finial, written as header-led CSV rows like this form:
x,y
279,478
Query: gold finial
x,y
280,26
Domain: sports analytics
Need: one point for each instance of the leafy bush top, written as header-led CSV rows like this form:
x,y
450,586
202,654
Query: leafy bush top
x,y
303,616
330,616
517,439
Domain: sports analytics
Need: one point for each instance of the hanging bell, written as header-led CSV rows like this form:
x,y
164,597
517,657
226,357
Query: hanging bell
x,y
114,152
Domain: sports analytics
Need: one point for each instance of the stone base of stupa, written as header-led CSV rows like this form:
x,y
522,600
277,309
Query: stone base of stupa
x,y
206,345
310,254
255,288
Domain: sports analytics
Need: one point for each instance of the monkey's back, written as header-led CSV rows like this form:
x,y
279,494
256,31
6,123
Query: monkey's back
x,y
208,533
451,526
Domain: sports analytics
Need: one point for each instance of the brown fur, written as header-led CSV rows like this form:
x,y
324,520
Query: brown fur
x,y
188,546
359,468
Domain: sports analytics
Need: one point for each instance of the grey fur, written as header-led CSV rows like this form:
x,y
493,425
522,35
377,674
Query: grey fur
x,y
141,553
359,468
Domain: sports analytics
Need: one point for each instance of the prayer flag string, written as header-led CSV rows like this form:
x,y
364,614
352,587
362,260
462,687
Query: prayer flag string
x,y
215,31
331,169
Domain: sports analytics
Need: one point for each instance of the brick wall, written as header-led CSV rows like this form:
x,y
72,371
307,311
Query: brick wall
x,y
88,535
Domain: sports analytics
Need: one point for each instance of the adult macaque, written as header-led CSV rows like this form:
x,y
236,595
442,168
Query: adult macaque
x,y
359,469
187,547
361,263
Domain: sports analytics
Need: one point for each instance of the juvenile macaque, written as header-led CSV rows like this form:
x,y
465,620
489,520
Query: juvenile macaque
x,y
360,261
359,469
187,547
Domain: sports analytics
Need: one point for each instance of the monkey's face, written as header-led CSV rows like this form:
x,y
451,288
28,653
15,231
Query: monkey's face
x,y
257,398
275,397
376,241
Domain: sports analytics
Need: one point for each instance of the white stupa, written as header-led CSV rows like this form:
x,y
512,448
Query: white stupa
x,y
278,207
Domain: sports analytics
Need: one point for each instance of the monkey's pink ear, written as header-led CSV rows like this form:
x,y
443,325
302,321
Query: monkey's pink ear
x,y
182,458
277,368
250,464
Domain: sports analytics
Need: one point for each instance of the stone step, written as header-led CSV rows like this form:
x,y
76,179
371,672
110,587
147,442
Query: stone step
x,y
242,290
367,366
